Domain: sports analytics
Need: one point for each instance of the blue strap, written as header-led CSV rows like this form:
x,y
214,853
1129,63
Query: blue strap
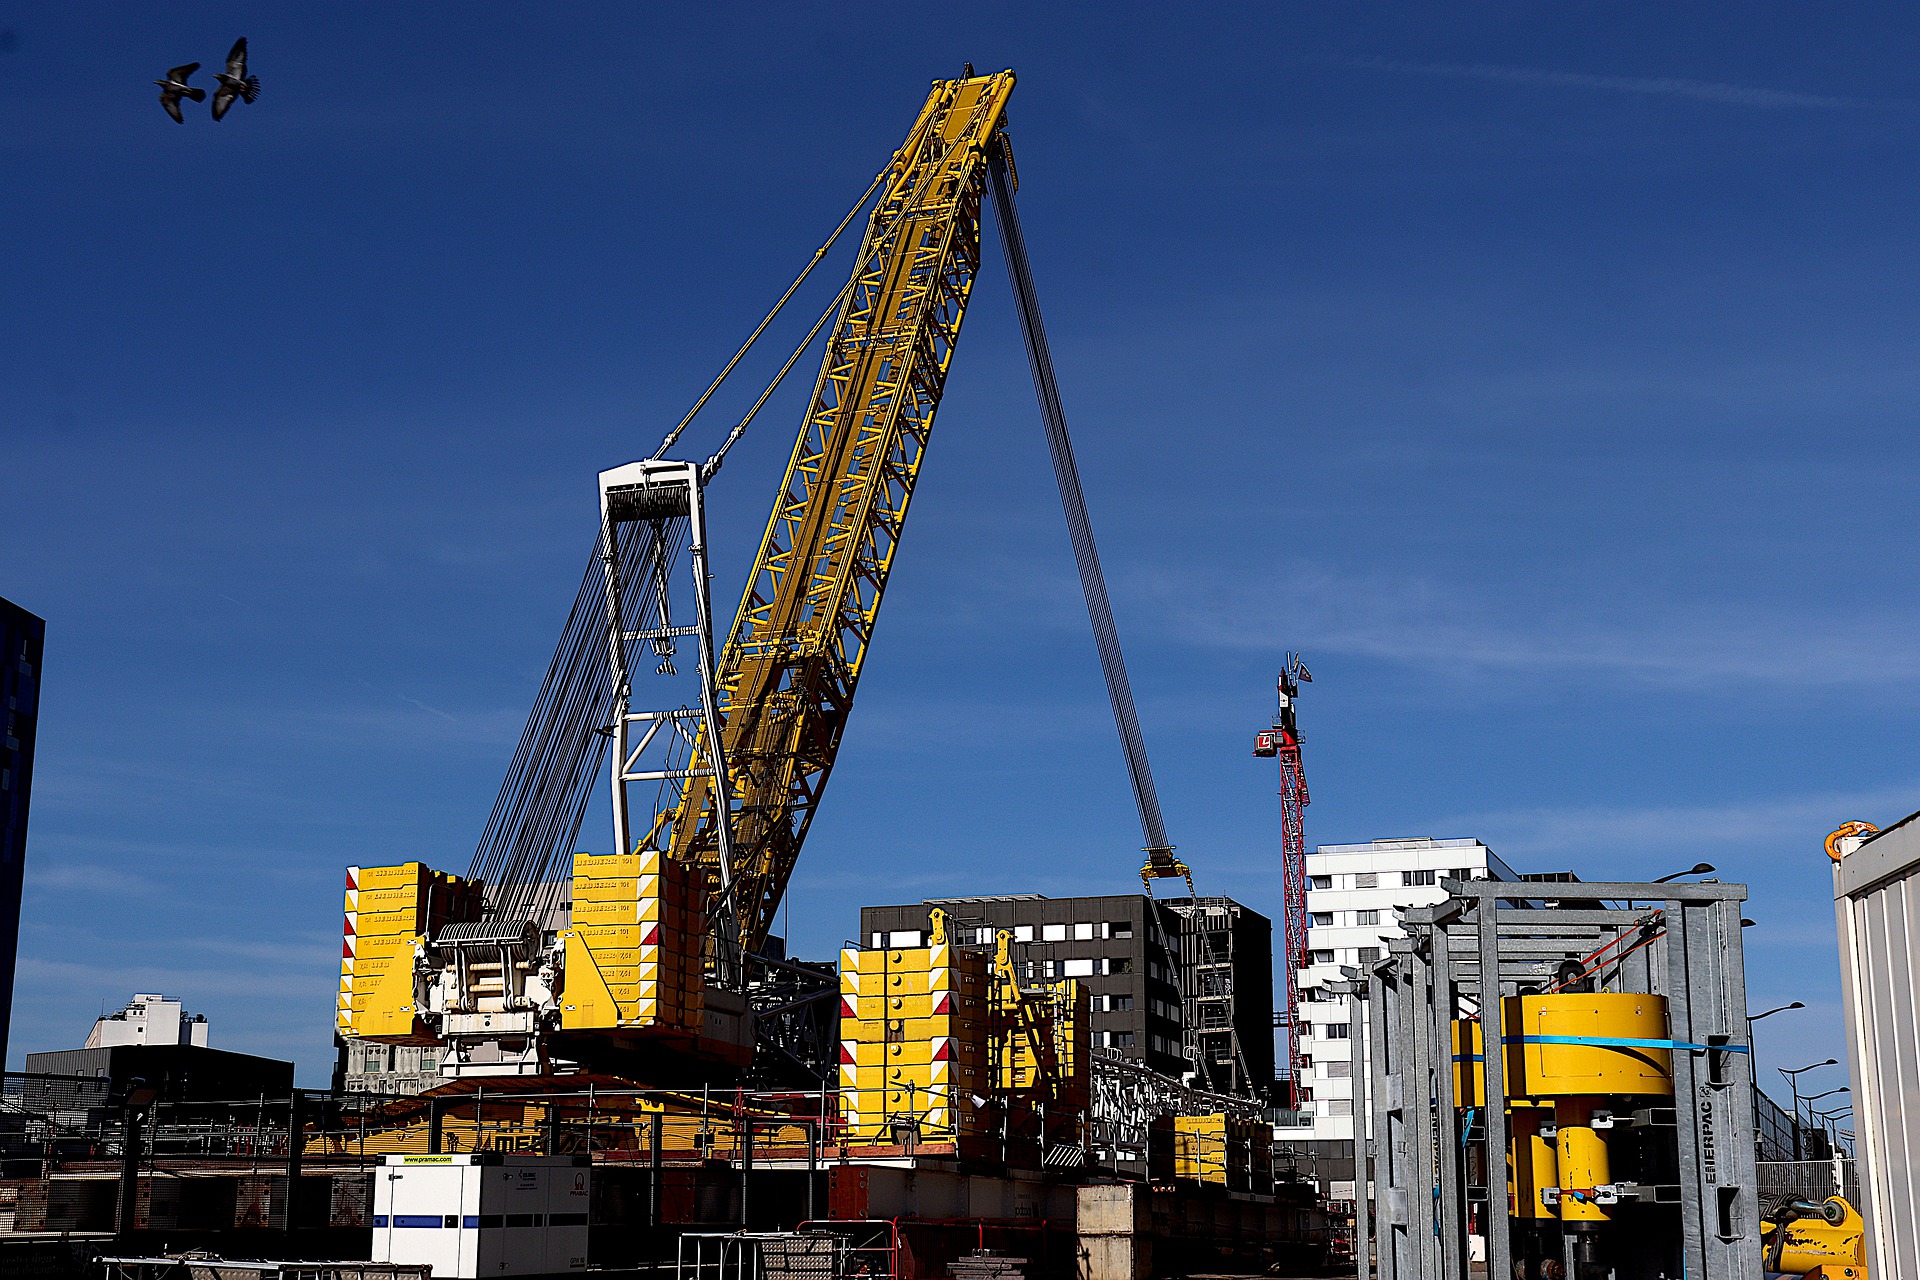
x,y
1625,1042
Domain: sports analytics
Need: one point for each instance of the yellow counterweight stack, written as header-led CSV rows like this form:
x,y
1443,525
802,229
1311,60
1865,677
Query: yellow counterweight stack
x,y
390,911
913,1042
633,953
1223,1150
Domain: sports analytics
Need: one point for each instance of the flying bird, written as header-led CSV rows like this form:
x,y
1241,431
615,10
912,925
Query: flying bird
x,y
175,87
234,81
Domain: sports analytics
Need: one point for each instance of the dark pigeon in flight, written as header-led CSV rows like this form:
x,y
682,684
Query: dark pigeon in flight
x,y
175,87
234,81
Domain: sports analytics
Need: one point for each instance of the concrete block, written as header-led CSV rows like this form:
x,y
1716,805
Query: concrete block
x,y
1120,1209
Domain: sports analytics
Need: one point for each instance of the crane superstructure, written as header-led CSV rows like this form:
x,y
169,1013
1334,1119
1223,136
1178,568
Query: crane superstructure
x,y
1282,742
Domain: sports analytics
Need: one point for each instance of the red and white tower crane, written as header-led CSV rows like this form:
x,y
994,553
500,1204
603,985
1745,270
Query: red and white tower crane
x,y
1282,742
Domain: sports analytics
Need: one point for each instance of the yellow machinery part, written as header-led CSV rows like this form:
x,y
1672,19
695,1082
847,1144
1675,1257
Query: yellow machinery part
x,y
1831,1243
1469,1064
1538,1068
633,957
789,670
1581,1154
1533,1164
913,1041
389,911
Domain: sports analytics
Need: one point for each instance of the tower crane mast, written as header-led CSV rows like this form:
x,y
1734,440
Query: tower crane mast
x,y
1282,742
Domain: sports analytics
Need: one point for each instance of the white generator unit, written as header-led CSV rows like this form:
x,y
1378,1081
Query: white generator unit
x,y
479,1215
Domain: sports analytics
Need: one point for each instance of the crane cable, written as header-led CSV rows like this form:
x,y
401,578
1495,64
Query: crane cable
x,y
836,306
798,280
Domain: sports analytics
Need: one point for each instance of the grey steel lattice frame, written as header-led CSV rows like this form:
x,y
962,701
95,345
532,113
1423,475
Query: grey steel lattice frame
x,y
1416,992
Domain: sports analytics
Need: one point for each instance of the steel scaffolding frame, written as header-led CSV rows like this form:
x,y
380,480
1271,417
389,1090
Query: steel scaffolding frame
x,y
1461,956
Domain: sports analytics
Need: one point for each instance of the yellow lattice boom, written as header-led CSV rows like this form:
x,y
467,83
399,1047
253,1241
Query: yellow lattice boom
x,y
793,658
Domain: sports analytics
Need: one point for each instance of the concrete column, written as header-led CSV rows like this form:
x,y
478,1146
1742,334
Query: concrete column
x,y
1115,1225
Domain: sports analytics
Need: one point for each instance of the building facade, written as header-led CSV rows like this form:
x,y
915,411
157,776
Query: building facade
x,y
1355,893
367,1066
1117,946
1226,962
149,1019
22,641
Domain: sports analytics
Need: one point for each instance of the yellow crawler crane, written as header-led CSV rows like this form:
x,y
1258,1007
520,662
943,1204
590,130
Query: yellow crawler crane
x,y
788,672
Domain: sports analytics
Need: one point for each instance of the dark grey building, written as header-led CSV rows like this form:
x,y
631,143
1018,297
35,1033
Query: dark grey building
x,y
181,1072
1226,958
1120,952
22,638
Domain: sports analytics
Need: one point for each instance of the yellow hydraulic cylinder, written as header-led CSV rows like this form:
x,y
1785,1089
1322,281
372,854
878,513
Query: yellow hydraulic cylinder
x,y
1582,1157
1533,1164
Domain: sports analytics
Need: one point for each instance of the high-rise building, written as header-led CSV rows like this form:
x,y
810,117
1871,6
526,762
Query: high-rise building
x,y
1119,947
22,638
1355,893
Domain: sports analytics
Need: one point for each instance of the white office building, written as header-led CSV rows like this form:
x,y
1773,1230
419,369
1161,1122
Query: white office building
x,y
149,1019
1354,895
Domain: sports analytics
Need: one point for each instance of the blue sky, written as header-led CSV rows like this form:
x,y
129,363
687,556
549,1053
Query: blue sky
x,y
1543,372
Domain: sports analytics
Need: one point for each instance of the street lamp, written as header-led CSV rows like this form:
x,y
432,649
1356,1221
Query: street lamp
x,y
1751,1051
1793,1080
1810,1100
1697,869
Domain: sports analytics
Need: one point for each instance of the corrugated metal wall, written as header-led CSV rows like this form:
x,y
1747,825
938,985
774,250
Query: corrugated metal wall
x,y
1876,890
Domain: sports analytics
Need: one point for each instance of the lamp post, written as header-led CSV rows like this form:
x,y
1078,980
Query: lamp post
x,y
1697,869
1793,1081
1752,1053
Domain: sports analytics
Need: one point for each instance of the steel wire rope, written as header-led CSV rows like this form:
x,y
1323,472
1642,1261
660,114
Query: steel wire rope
x,y
881,243
538,803
542,800
798,280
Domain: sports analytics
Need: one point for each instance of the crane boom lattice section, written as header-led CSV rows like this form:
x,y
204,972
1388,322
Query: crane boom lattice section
x,y
793,658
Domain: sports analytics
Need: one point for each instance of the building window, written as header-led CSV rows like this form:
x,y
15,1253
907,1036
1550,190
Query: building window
x,y
1340,1106
1320,882
1079,969
1336,1070
1120,1004
1410,879
1121,929
1367,880
1323,918
1464,873
1338,1030
1023,933
879,941
1083,932
1369,955
1321,957
904,938
1122,964
1053,933
1366,917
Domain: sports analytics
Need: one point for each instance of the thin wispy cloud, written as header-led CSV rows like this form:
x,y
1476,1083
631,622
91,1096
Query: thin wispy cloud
x,y
1455,627
1733,95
